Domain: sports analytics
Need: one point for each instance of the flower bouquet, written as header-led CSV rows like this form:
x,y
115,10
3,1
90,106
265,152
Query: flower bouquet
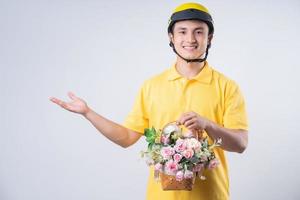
x,y
178,157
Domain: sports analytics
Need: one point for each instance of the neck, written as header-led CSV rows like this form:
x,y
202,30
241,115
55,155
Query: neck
x,y
188,70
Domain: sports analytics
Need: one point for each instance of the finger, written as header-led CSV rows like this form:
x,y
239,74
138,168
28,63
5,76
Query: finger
x,y
189,122
190,113
200,134
200,130
184,118
192,127
72,96
58,102
54,100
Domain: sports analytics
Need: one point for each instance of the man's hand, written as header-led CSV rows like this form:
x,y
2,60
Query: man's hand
x,y
77,105
111,130
193,121
235,140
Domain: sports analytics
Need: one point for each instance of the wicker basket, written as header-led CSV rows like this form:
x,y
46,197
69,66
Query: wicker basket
x,y
169,182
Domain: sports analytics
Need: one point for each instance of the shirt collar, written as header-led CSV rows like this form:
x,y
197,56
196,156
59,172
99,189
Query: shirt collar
x,y
204,76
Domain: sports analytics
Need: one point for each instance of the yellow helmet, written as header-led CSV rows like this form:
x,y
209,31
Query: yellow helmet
x,y
188,11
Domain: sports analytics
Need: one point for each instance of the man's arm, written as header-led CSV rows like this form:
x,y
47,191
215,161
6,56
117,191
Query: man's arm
x,y
111,130
235,140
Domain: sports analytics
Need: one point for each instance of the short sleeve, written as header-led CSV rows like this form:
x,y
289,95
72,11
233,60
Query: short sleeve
x,y
137,119
235,116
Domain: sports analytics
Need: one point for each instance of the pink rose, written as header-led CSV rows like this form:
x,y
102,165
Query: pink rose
x,y
171,167
213,163
167,152
188,174
165,139
179,175
180,145
188,153
177,157
203,158
193,143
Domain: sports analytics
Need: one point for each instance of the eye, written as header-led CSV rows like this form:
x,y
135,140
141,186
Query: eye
x,y
181,32
199,32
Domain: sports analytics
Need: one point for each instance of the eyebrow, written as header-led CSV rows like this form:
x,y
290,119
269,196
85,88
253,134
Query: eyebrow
x,y
184,28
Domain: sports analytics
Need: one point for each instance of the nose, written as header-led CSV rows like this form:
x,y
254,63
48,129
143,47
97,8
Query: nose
x,y
191,38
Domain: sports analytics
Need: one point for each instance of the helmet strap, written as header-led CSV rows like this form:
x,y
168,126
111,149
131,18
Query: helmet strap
x,y
200,60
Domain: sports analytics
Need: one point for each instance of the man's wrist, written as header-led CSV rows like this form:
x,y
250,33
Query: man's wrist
x,y
87,113
209,125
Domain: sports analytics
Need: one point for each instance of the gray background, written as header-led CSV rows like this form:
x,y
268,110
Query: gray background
x,y
102,51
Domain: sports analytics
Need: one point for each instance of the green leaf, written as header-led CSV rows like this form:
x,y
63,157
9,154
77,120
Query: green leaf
x,y
150,135
150,146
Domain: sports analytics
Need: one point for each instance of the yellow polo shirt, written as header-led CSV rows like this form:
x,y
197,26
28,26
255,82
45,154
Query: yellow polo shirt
x,y
163,98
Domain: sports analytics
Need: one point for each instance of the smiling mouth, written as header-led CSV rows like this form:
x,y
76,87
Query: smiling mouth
x,y
190,47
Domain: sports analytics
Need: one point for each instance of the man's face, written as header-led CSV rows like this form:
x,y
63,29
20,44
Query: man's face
x,y
190,38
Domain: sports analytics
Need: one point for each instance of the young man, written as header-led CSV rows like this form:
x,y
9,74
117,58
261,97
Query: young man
x,y
191,93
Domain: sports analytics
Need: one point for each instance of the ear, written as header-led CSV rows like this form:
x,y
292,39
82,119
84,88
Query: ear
x,y
171,37
210,37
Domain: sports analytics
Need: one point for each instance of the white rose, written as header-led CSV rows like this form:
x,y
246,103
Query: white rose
x,y
170,128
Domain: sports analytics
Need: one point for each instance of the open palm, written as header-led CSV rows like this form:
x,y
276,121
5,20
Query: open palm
x,y
77,105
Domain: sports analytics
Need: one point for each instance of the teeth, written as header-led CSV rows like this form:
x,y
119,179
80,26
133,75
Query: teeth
x,y
188,47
